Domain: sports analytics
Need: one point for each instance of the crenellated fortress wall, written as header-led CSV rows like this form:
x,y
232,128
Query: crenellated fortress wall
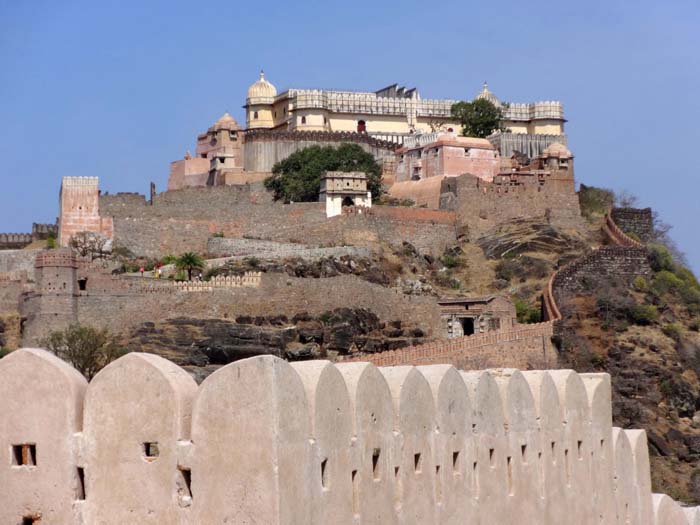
x,y
265,441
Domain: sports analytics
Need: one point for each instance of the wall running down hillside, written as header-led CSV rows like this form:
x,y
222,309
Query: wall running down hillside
x,y
264,441
524,346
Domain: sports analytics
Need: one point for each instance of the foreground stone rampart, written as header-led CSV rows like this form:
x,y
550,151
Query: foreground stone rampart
x,y
263,441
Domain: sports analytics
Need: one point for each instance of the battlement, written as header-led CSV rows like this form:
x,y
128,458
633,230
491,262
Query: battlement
x,y
548,109
74,182
140,285
315,443
61,258
14,241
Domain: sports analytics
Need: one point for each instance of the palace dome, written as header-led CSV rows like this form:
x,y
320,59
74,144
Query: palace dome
x,y
487,95
225,122
557,150
262,88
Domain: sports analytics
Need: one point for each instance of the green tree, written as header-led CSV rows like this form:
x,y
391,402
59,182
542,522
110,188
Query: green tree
x,y
86,348
51,241
479,118
189,262
298,177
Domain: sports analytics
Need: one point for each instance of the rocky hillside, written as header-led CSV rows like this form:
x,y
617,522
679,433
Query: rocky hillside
x,y
203,345
646,335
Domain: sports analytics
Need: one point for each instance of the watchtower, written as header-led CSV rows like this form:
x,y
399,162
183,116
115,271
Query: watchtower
x,y
54,304
340,188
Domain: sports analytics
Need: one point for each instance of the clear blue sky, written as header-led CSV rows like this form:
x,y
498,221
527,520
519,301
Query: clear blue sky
x,y
119,89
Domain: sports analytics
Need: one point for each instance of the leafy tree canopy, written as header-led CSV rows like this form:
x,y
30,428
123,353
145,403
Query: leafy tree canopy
x,y
478,118
86,348
298,177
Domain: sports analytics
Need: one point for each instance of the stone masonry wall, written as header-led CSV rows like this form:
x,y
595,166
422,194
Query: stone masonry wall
x,y
183,220
17,261
525,346
14,241
636,221
609,261
481,205
9,296
263,441
106,304
223,247
264,148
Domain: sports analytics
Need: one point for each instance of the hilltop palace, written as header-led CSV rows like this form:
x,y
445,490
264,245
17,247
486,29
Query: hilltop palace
x,y
386,122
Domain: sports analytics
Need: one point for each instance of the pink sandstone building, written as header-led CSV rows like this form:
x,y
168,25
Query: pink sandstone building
x,y
446,155
218,153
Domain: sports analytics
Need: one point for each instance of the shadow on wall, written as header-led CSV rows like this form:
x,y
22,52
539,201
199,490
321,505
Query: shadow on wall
x,y
315,443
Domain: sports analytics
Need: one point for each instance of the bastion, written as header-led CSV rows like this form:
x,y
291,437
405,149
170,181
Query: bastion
x,y
265,441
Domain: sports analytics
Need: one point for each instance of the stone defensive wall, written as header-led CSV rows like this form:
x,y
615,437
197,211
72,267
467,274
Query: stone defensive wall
x,y
482,205
626,258
242,248
638,221
608,261
121,304
617,235
17,261
14,241
526,347
10,290
184,220
263,148
265,441
108,284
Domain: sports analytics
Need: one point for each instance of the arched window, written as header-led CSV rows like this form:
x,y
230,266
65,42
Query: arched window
x,y
361,126
255,114
347,201
303,120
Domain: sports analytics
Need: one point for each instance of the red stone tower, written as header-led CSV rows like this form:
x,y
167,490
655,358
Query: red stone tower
x,y
79,209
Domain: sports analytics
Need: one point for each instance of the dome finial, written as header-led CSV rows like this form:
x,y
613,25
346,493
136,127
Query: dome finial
x,y
262,74
488,95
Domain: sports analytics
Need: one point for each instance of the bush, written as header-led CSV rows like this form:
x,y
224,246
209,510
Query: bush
x,y
673,330
253,262
168,259
640,284
660,258
51,241
694,325
87,349
218,235
664,282
526,313
595,201
685,275
612,306
643,314
450,261
596,360
506,269
4,352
